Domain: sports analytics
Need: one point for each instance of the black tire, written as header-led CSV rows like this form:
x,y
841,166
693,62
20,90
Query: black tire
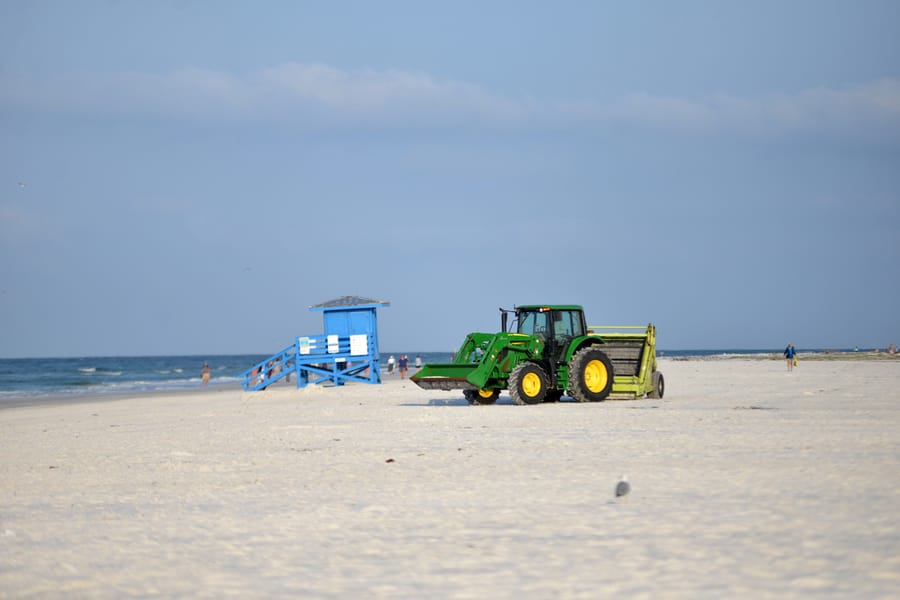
x,y
659,385
528,384
481,396
553,395
590,375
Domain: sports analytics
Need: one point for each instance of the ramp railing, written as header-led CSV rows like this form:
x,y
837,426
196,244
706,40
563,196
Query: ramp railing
x,y
266,372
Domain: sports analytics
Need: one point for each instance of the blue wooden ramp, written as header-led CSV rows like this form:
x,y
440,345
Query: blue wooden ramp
x,y
348,351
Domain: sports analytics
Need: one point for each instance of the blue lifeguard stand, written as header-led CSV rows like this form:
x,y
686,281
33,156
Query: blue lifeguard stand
x,y
348,351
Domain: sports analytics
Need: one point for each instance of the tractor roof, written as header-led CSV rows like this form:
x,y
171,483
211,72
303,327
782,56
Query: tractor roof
x,y
550,307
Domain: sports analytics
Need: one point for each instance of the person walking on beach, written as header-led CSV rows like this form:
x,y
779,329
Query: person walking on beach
x,y
404,365
391,364
791,355
205,372
418,362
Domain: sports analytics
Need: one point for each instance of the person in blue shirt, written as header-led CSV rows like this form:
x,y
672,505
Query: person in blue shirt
x,y
789,354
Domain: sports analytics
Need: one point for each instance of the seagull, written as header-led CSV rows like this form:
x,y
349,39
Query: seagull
x,y
21,184
622,488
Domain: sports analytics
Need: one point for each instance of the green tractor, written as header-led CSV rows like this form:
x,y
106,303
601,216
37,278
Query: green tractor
x,y
550,351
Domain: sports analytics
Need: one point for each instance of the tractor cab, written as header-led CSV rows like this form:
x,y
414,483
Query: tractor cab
x,y
556,326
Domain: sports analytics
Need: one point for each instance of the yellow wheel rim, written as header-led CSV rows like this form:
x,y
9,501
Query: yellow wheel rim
x,y
485,393
596,376
531,385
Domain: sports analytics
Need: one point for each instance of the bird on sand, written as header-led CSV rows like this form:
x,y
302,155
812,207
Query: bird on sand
x,y
622,488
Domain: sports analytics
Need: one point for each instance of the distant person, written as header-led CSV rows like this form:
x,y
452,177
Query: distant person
x,y
418,362
205,373
404,365
791,355
391,364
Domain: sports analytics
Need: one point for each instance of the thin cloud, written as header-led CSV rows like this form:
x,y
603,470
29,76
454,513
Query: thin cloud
x,y
868,108
322,95
370,91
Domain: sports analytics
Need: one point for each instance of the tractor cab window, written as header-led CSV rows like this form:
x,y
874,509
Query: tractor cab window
x,y
567,324
533,323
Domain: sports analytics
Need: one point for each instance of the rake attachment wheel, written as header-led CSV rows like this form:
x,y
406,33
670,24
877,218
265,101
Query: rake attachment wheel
x,y
659,385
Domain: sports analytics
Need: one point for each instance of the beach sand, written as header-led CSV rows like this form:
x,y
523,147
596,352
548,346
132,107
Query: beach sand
x,y
746,481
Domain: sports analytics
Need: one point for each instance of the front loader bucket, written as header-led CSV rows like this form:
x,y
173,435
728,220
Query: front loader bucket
x,y
447,376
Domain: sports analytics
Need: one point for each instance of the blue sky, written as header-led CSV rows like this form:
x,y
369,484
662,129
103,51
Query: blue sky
x,y
188,177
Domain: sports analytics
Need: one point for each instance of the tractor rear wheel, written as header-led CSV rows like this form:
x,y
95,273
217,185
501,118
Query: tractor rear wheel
x,y
659,385
590,375
481,396
528,384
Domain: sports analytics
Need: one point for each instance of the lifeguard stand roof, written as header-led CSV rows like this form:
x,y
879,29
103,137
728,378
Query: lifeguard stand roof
x,y
350,302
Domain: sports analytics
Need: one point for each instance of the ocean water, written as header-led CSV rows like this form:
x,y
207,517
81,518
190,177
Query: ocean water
x,y
24,378
34,378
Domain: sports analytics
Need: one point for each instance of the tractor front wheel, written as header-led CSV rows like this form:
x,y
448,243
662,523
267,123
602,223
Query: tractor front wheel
x,y
481,396
590,375
528,384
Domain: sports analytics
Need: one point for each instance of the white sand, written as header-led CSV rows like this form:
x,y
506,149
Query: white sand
x,y
747,481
